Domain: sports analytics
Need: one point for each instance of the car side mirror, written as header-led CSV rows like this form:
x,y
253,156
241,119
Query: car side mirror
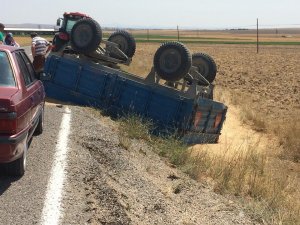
x,y
43,76
58,22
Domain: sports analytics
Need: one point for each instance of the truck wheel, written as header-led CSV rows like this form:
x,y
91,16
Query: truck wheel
x,y
172,61
206,66
17,168
86,36
125,41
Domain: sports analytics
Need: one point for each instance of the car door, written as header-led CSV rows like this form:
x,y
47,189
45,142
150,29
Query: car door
x,y
37,88
30,93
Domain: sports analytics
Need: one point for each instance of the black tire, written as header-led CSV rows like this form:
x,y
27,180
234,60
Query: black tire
x,y
206,66
17,168
40,127
211,95
172,61
58,43
86,36
125,41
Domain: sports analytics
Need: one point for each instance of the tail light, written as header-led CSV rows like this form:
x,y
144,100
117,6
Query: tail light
x,y
198,117
8,122
218,120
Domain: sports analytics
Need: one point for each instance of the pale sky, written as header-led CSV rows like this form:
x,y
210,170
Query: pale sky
x,y
209,14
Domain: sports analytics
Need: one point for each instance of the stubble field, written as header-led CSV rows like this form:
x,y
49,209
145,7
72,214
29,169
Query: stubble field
x,y
269,79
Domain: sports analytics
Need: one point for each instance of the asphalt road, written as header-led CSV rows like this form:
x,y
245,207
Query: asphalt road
x,y
29,200
22,200
28,51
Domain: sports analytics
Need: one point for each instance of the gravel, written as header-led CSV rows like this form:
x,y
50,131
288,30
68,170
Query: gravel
x,y
108,184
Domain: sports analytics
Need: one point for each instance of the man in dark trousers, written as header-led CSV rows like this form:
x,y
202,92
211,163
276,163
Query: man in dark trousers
x,y
39,48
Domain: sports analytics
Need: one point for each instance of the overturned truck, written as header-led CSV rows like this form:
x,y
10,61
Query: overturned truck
x,y
177,95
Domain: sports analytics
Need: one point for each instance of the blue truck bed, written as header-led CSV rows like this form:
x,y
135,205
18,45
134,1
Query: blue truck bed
x,y
83,82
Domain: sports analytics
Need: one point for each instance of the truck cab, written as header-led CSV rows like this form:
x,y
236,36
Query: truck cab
x,y
66,24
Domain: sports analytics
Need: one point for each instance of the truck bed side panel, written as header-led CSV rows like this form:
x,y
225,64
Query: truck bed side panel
x,y
117,92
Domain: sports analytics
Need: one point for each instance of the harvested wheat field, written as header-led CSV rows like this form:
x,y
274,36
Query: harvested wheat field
x,y
270,79
265,86
258,152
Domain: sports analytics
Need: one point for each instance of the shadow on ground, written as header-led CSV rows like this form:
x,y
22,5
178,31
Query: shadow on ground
x,y
5,180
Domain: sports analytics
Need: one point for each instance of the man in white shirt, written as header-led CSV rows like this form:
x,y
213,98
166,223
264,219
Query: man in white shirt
x,y
39,48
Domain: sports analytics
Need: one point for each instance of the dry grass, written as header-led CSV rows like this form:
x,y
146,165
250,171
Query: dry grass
x,y
248,114
287,131
256,119
172,148
135,127
23,41
124,142
268,194
26,41
289,136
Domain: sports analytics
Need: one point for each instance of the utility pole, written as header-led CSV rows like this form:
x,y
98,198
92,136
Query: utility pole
x,y
177,33
147,34
257,45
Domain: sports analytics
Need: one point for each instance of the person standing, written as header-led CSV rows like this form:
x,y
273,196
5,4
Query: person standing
x,y
39,48
1,33
9,40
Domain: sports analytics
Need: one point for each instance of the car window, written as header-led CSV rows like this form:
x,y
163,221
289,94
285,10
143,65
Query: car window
x,y
28,65
6,73
70,25
24,70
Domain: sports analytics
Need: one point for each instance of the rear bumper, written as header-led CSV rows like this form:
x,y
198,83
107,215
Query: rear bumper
x,y
11,147
15,139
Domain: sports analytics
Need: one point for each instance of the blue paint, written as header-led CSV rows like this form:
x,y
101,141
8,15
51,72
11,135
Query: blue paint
x,y
118,93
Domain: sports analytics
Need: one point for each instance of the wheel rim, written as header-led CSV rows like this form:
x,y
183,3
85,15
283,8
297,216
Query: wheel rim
x,y
42,118
170,60
121,41
84,35
201,65
25,155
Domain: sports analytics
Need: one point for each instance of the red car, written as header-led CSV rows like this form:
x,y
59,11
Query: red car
x,y
22,98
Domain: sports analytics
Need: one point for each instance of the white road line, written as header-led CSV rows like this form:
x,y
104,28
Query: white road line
x,y
52,205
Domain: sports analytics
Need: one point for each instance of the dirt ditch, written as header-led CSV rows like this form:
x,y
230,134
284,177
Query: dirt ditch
x,y
135,185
